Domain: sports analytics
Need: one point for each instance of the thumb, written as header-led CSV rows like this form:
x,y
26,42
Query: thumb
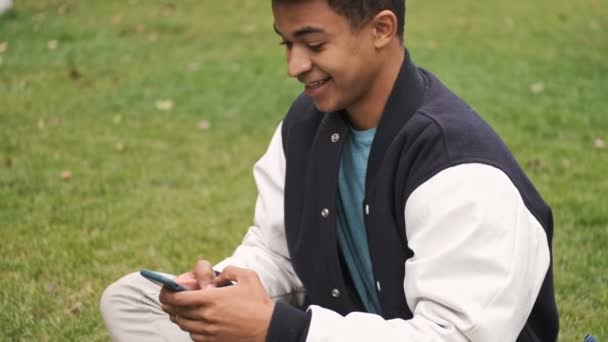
x,y
204,273
234,274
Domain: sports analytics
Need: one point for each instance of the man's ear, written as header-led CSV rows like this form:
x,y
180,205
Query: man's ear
x,y
384,27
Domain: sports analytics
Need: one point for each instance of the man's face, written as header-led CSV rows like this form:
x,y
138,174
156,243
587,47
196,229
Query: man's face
x,y
336,64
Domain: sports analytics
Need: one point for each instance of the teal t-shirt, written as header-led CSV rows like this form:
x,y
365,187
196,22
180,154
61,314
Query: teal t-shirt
x,y
352,237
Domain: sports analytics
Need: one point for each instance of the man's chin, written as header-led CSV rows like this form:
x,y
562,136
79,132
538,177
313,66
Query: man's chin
x,y
326,106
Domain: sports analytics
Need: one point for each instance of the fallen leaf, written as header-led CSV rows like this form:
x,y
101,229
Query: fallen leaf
x,y
64,9
55,121
464,24
75,308
116,119
119,146
599,143
566,163
164,105
153,37
203,124
168,9
41,124
66,175
537,88
194,67
140,28
3,47
53,44
538,165
116,18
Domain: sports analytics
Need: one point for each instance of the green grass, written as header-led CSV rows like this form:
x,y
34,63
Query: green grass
x,y
150,188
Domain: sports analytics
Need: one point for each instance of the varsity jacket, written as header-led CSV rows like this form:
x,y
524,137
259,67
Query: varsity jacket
x,y
459,238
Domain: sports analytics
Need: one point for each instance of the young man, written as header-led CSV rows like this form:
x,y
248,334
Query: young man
x,y
388,210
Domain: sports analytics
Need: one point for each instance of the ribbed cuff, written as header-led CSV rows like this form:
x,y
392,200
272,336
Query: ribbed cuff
x,y
288,324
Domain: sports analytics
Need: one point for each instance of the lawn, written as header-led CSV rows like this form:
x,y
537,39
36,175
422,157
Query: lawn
x,y
128,129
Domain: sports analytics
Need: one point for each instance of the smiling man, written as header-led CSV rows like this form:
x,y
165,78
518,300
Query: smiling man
x,y
388,210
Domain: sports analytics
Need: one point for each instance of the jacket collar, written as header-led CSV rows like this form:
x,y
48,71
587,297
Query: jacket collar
x,y
404,100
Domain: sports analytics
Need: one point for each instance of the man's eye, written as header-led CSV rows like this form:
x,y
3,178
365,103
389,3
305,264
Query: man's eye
x,y
316,47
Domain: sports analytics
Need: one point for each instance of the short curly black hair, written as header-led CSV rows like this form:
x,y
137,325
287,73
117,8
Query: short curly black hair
x,y
359,12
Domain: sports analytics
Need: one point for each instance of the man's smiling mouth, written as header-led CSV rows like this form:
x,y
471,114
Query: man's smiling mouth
x,y
317,84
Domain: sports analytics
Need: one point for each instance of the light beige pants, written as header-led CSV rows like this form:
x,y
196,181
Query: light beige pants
x,y
131,312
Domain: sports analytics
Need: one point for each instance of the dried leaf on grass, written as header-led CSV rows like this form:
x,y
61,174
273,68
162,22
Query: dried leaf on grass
x,y
3,47
168,9
52,44
599,143
74,308
119,146
164,105
203,125
153,37
66,175
117,18
537,165
64,9
194,67
55,121
537,88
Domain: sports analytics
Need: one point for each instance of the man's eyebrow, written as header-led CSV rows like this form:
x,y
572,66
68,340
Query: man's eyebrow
x,y
301,32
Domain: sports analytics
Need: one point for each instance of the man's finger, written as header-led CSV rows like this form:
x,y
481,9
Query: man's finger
x,y
198,313
201,338
235,274
166,308
190,298
193,326
203,271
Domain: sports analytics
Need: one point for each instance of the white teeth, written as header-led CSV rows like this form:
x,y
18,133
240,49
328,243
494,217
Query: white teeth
x,y
317,83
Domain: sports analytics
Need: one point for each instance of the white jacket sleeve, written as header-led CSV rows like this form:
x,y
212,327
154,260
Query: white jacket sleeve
x,y
264,247
480,258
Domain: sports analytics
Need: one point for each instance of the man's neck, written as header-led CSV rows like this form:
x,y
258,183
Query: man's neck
x,y
366,114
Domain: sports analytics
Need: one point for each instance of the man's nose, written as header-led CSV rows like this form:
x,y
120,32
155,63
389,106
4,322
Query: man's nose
x,y
298,62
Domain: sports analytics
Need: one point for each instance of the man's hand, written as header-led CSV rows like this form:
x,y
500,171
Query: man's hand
x,y
241,312
201,277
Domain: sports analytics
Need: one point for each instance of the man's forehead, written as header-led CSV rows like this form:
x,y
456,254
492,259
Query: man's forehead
x,y
303,17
